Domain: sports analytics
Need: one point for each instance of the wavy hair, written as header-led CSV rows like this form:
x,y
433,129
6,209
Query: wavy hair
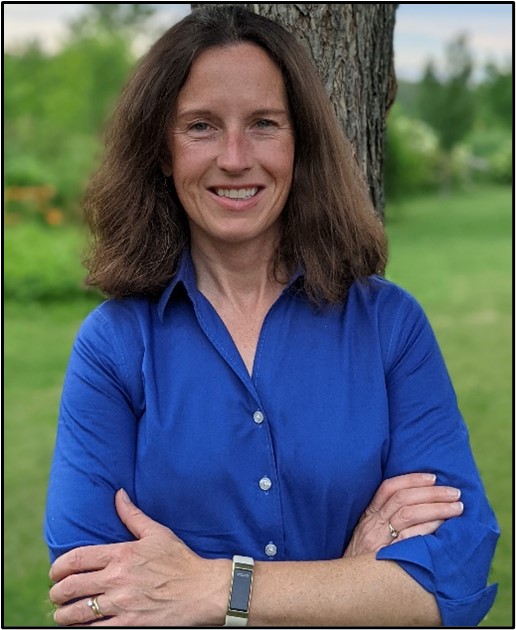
x,y
139,228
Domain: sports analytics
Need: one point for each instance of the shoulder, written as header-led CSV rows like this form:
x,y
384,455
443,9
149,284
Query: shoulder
x,y
118,323
394,316
112,339
379,295
120,314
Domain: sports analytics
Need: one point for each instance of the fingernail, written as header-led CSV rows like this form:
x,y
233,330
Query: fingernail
x,y
429,477
454,492
459,506
125,496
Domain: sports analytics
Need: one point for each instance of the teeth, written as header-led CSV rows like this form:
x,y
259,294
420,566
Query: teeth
x,y
233,193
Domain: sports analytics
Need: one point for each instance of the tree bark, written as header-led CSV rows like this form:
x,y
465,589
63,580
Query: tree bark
x,y
352,47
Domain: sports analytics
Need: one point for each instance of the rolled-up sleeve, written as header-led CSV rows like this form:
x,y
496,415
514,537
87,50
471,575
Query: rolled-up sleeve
x,y
428,434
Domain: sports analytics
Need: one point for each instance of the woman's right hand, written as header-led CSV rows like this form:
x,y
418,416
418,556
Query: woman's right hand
x,y
404,506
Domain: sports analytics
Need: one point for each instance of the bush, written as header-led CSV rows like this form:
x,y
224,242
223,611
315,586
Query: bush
x,y
491,148
65,168
501,163
412,158
44,263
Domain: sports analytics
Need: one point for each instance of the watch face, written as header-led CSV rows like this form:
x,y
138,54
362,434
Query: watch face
x,y
241,587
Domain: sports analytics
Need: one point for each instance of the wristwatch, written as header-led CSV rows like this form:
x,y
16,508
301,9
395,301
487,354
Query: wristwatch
x,y
240,591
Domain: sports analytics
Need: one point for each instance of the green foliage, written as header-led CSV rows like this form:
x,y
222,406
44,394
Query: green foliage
x,y
447,104
56,106
472,122
502,164
491,148
495,96
110,18
42,263
412,156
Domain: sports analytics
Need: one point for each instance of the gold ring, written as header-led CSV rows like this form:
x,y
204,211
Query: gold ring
x,y
94,605
393,532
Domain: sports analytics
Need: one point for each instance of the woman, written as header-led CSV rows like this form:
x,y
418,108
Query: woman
x,y
254,388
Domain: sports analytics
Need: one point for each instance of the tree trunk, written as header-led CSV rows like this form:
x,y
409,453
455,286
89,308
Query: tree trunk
x,y
352,46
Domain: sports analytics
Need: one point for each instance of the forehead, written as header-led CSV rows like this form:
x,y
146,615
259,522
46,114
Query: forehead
x,y
242,73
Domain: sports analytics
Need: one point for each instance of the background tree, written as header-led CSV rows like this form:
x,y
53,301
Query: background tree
x,y
352,46
56,104
495,96
105,18
447,103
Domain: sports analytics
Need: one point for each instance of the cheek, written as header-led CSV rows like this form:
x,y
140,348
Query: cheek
x,y
285,167
189,164
284,158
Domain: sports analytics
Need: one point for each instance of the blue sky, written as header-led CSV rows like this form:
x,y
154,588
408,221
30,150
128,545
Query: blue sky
x,y
422,29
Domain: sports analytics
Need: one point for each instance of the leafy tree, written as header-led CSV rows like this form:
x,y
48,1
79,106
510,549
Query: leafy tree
x,y
495,96
55,105
447,104
106,18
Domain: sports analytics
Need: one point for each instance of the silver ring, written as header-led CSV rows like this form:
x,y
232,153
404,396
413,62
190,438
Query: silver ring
x,y
393,532
95,608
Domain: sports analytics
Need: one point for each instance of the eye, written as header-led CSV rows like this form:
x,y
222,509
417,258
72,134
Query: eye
x,y
264,123
199,127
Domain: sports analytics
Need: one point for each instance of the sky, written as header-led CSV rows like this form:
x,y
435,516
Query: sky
x,y
422,29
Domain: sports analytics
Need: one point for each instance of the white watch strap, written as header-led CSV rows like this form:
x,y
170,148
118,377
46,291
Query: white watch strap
x,y
233,621
237,618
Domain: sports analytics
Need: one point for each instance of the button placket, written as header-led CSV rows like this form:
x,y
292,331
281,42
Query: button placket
x,y
265,484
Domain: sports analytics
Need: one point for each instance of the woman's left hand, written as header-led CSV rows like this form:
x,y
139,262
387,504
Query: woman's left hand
x,y
156,580
403,506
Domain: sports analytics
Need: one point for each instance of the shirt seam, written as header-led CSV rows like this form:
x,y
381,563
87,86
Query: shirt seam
x,y
391,339
118,347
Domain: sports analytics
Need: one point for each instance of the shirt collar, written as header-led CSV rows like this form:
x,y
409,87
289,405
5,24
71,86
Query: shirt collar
x,y
185,275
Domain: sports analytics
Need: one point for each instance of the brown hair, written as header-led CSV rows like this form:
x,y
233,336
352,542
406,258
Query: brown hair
x,y
329,227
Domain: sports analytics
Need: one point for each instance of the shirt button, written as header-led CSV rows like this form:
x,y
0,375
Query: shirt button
x,y
258,417
271,550
265,483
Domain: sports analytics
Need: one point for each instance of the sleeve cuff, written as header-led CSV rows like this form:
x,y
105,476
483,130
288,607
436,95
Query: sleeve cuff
x,y
415,556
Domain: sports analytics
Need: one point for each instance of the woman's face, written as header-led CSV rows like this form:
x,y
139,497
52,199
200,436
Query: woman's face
x,y
232,147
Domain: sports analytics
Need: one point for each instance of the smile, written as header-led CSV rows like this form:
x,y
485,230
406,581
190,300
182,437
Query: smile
x,y
236,193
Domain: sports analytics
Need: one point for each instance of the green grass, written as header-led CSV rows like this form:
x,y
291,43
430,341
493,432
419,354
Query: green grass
x,y
38,340
453,254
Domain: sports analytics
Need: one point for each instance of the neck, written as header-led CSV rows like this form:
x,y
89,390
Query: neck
x,y
237,274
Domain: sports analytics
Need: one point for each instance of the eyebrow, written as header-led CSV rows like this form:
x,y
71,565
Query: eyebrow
x,y
200,113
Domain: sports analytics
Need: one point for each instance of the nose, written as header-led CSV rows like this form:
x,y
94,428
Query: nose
x,y
234,154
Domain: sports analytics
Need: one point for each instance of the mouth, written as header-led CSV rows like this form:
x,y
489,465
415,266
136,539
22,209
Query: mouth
x,y
236,193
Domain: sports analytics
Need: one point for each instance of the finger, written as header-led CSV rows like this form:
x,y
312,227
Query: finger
x,y
80,612
403,499
138,523
76,587
418,530
389,487
93,558
414,515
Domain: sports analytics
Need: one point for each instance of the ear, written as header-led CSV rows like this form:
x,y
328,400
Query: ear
x,y
166,169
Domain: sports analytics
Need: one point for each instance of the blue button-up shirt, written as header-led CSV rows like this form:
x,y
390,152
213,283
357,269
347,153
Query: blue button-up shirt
x,y
280,464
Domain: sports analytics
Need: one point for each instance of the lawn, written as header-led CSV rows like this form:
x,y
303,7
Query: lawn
x,y
453,254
